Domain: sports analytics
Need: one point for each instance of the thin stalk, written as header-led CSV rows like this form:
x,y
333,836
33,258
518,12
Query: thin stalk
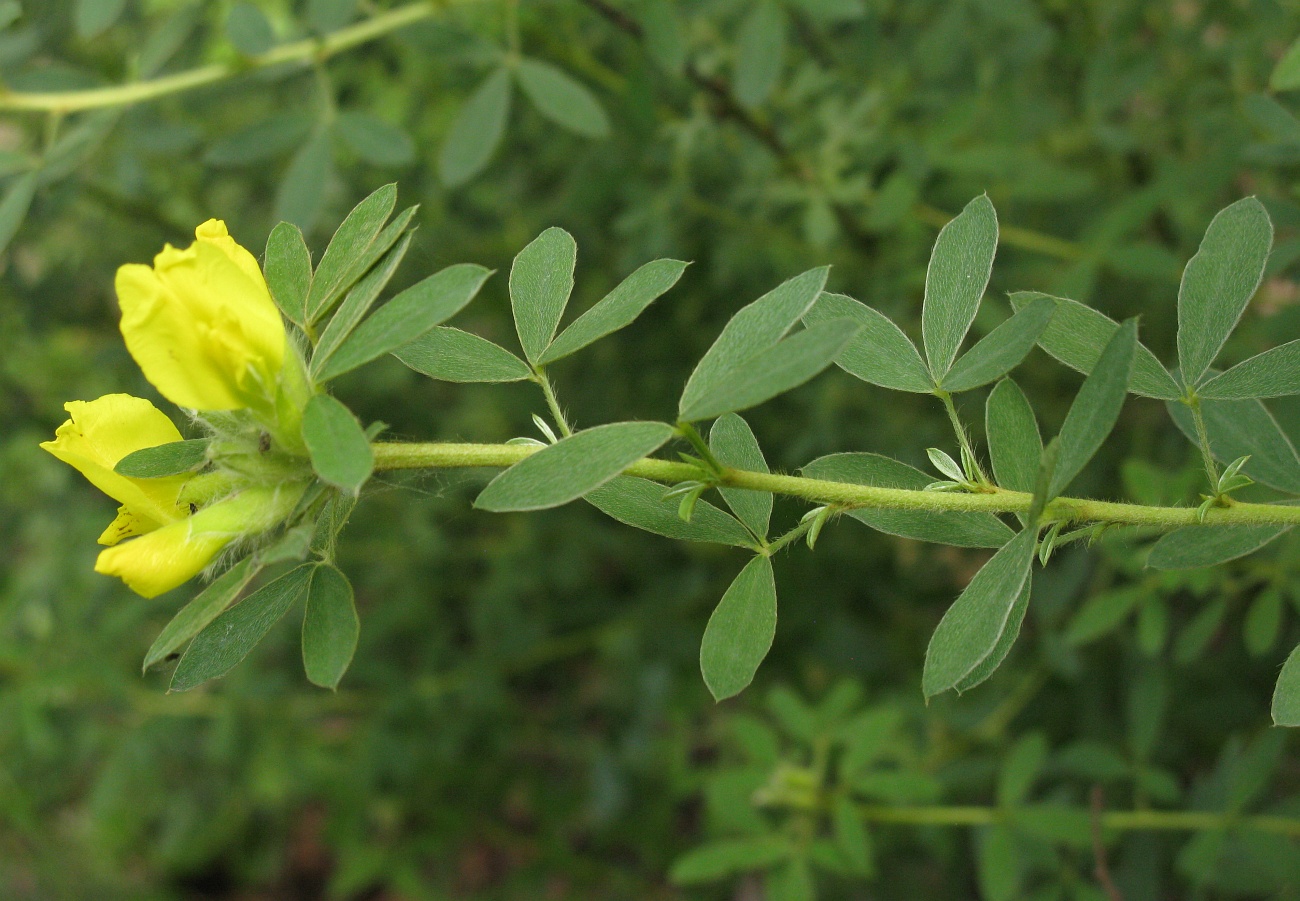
x,y
962,437
1114,820
392,456
553,403
1203,441
793,535
304,51
696,440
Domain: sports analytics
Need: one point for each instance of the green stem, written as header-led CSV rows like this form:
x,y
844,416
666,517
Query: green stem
x,y
692,435
392,456
553,403
1116,820
962,438
1203,441
793,535
304,51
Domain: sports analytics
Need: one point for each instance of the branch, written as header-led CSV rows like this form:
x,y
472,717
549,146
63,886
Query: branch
x,y
304,51
392,456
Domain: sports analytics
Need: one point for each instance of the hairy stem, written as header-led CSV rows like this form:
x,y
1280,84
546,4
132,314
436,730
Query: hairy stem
x,y
1115,820
1203,442
962,437
392,456
305,51
553,404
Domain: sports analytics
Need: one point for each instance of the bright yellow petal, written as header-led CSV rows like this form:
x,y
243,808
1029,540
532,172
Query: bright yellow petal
x,y
126,525
170,556
163,559
160,333
100,433
214,232
202,325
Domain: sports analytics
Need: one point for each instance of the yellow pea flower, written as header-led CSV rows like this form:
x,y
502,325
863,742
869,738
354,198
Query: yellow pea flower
x,y
99,434
202,325
169,557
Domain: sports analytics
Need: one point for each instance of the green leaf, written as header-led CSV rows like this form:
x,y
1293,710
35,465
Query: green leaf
x,y
727,857
753,329
410,314
300,199
740,631
851,836
618,308
13,208
760,54
163,460
374,140
194,617
248,29
1194,546
1274,373
1263,622
573,466
356,304
562,99
959,271
1199,632
329,627
1020,769
973,626
1103,613
1218,283
1015,445
161,44
1006,640
452,355
880,354
541,280
792,882
227,640
340,451
1096,407
476,133
288,270
998,864
663,35
91,17
330,15
340,265
734,445
10,12
1002,349
785,365
1286,696
260,141
961,529
1077,334
640,503
1286,74
1240,428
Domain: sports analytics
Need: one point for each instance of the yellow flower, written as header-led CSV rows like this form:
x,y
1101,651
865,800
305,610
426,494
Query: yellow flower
x,y
99,434
202,325
172,555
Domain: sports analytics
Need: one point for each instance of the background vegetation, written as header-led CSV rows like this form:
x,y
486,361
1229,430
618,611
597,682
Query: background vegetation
x,y
525,716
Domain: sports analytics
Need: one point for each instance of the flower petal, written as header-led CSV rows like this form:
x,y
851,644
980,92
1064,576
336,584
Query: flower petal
x,y
100,433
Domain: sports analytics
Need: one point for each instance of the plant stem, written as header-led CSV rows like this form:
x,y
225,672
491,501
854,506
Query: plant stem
x,y
553,403
692,435
1116,820
304,51
392,456
962,438
1203,441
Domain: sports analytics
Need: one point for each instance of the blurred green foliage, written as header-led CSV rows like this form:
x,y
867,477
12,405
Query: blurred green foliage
x,y
524,717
